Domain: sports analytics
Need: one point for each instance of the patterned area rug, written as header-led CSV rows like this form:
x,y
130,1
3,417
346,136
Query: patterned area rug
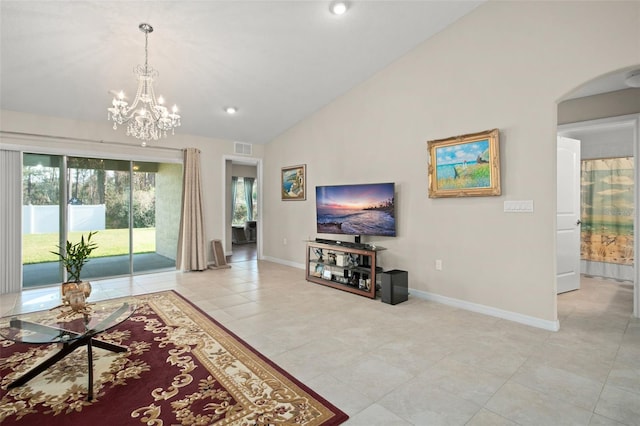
x,y
182,367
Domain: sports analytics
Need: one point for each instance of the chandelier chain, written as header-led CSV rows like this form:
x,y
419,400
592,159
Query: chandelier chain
x,y
146,51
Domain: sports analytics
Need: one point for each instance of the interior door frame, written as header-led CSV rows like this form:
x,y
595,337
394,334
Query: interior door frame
x,y
632,120
249,161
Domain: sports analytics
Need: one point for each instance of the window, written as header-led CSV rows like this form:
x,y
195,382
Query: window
x,y
241,213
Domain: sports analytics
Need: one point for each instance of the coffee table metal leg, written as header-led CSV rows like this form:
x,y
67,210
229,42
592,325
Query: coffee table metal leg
x,y
90,371
108,346
66,350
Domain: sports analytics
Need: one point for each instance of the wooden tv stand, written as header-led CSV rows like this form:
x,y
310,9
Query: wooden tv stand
x,y
339,266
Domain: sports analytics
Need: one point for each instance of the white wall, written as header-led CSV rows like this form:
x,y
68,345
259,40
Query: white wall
x,y
505,65
611,104
167,150
242,170
604,143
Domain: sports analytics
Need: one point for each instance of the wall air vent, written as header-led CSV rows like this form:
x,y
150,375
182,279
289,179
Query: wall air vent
x,y
243,148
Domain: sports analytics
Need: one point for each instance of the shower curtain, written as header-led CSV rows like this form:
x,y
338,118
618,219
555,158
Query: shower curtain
x,y
607,214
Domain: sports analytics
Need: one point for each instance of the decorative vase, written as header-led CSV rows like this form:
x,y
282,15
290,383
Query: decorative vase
x,y
65,288
76,299
85,286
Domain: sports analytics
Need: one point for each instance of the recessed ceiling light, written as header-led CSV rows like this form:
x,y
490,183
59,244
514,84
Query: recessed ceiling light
x,y
230,110
338,7
633,79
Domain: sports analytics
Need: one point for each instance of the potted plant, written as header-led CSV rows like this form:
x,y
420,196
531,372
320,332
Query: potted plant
x,y
73,257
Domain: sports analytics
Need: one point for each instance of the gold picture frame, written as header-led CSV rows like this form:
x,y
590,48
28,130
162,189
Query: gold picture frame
x,y
294,183
465,166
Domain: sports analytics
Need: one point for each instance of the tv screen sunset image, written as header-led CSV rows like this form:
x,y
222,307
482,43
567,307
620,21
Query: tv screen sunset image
x,y
366,209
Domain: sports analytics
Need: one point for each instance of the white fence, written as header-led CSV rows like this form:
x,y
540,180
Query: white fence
x,y
46,219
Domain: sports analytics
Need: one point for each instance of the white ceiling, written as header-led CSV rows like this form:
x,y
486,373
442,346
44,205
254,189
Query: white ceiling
x,y
604,84
277,61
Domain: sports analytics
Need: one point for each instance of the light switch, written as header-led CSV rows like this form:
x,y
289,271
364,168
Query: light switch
x,y
525,206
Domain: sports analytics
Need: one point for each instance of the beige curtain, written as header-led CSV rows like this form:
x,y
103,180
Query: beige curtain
x,y
191,242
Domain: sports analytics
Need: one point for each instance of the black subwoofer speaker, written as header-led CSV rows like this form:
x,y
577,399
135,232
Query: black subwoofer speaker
x,y
394,286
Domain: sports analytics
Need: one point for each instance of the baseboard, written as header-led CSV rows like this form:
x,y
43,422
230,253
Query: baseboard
x,y
283,262
487,310
457,303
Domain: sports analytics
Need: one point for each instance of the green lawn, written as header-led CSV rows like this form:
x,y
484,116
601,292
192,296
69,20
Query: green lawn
x,y
36,248
473,176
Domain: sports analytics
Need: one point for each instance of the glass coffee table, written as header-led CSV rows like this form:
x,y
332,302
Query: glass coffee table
x,y
71,329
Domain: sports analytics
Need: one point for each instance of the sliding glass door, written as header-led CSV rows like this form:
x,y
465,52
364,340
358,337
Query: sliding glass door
x,y
99,201
157,194
42,184
125,202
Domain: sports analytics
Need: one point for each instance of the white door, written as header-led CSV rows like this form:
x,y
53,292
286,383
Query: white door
x,y
568,215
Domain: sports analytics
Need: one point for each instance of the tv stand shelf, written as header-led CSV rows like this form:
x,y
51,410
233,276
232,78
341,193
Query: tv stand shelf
x,y
340,266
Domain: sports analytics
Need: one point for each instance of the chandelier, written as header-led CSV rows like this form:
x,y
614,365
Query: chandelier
x,y
147,118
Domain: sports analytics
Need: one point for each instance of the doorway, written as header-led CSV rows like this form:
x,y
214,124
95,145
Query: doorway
x,y
235,229
608,245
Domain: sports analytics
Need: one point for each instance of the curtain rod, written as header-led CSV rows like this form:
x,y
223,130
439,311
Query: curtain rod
x,y
72,139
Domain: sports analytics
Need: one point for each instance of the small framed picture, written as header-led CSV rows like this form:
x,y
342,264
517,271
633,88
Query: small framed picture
x,y
294,180
326,274
465,166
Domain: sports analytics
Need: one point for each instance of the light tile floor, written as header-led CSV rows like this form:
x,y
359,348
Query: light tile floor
x,y
418,362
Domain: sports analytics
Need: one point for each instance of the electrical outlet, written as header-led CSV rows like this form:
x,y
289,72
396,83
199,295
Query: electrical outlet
x,y
284,241
438,265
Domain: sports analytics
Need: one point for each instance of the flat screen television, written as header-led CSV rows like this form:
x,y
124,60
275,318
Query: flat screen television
x,y
363,209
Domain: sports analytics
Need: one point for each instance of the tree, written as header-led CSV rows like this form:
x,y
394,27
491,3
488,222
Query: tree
x,y
41,185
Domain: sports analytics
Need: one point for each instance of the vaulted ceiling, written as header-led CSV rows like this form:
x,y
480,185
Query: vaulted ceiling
x,y
276,61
